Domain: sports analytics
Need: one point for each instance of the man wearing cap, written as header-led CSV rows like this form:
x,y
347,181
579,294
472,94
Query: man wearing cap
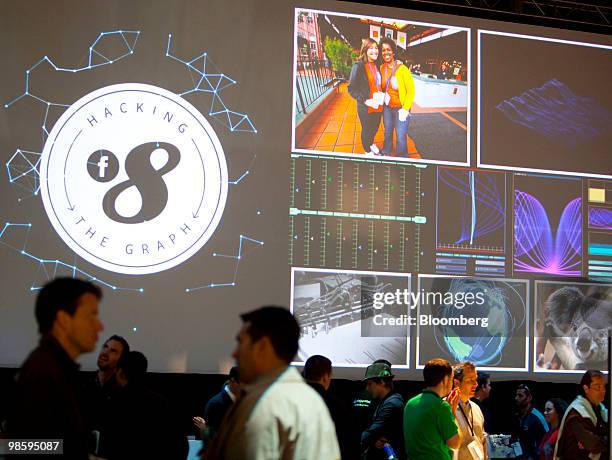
x,y
386,425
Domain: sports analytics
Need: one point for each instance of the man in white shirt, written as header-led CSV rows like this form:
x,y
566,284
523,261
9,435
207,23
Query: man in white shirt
x,y
278,416
468,415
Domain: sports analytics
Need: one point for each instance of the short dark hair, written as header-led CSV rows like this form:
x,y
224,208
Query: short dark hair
x,y
234,374
587,378
134,365
390,42
435,370
316,367
460,369
483,378
122,341
61,294
279,325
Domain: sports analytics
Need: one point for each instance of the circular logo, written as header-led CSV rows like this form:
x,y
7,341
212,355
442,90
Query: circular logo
x,y
133,178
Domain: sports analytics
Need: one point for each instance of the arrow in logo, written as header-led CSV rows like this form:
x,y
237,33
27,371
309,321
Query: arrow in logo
x,y
71,207
196,214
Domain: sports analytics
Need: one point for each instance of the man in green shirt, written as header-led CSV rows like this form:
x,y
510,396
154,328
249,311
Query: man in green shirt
x,y
430,428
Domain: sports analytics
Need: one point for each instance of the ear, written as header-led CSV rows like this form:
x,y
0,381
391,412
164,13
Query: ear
x,y
263,346
62,320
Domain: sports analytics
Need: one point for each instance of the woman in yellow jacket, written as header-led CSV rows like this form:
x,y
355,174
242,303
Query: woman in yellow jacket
x,y
398,85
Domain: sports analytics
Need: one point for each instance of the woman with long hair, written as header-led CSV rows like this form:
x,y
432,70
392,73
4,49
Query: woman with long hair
x,y
365,87
553,413
398,86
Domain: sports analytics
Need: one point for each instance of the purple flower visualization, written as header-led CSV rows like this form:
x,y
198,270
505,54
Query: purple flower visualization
x,y
537,249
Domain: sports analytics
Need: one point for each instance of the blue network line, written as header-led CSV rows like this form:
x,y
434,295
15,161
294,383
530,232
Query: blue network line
x,y
50,266
213,83
22,169
245,173
237,257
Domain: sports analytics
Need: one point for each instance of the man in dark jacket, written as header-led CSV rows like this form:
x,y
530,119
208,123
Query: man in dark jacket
x,y
218,405
47,402
387,421
584,430
318,374
141,415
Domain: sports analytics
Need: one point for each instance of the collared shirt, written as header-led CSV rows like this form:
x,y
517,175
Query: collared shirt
x,y
471,423
277,417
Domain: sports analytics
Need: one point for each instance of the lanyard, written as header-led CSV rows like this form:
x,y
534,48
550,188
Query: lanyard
x,y
470,425
390,76
375,74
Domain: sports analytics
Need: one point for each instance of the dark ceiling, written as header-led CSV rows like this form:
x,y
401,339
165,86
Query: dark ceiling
x,y
588,16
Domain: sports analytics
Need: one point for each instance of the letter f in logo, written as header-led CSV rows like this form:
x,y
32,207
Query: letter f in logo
x,y
102,165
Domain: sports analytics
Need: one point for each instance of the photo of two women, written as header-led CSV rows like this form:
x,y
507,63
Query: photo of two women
x,y
380,87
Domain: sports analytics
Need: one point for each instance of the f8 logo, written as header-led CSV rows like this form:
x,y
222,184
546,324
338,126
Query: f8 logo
x,y
150,205
142,175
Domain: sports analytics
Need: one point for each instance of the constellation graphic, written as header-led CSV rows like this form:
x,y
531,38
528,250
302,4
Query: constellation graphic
x,y
478,199
22,170
51,267
555,112
238,257
600,218
22,167
213,82
536,248
109,48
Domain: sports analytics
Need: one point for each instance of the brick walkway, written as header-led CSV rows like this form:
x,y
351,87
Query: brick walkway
x,y
338,129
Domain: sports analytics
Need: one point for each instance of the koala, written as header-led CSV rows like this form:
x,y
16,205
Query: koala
x,y
577,327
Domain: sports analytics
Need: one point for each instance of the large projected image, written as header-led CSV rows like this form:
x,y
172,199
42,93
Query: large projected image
x,y
380,86
485,321
551,98
547,234
197,163
341,320
572,324
132,161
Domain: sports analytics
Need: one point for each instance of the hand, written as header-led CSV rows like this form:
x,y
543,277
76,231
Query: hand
x,y
199,423
380,443
379,97
403,114
453,399
371,103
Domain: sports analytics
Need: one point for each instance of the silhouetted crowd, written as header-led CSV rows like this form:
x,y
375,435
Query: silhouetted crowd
x,y
267,409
